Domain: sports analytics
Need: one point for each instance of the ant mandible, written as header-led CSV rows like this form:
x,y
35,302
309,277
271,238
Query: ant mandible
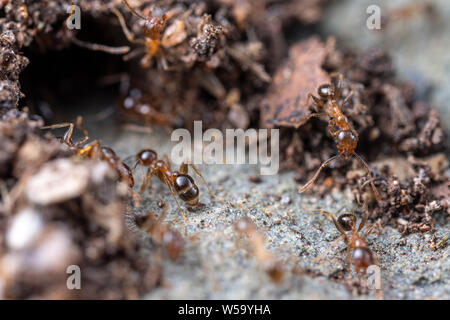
x,y
362,257
179,182
345,136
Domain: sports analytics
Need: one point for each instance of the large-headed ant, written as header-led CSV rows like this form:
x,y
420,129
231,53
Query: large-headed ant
x,y
362,257
179,182
340,128
94,150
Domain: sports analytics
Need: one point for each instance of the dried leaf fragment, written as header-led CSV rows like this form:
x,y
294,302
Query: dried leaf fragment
x,y
286,101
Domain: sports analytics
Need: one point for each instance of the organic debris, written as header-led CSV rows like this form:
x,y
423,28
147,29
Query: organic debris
x,y
60,211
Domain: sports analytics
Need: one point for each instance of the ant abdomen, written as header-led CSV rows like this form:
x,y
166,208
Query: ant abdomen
x,y
186,189
346,143
362,258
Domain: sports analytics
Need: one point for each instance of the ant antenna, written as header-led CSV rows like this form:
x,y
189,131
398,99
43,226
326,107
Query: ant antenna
x,y
133,11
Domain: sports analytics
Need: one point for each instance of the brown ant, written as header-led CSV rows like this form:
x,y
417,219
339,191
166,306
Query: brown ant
x,y
362,257
179,182
162,234
345,136
153,28
94,150
247,227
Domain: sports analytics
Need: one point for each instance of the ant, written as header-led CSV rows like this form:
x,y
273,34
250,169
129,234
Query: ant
x,y
179,182
162,234
247,227
346,137
153,28
94,150
362,257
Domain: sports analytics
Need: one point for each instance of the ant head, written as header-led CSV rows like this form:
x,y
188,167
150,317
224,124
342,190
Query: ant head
x,y
347,221
187,189
154,26
147,157
326,91
107,153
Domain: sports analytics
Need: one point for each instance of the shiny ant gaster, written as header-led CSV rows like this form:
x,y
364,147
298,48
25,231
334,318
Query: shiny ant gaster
x,y
179,182
345,136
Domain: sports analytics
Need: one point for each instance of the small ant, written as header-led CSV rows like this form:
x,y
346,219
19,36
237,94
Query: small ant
x,y
162,234
346,138
93,150
153,28
179,182
362,257
247,227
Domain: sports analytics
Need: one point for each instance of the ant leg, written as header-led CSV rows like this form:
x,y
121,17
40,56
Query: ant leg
x,y
167,182
206,183
349,262
145,178
377,195
68,135
101,47
347,98
337,92
317,102
373,226
311,182
314,115
322,255
330,217
166,157
363,221
85,132
311,115
136,197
